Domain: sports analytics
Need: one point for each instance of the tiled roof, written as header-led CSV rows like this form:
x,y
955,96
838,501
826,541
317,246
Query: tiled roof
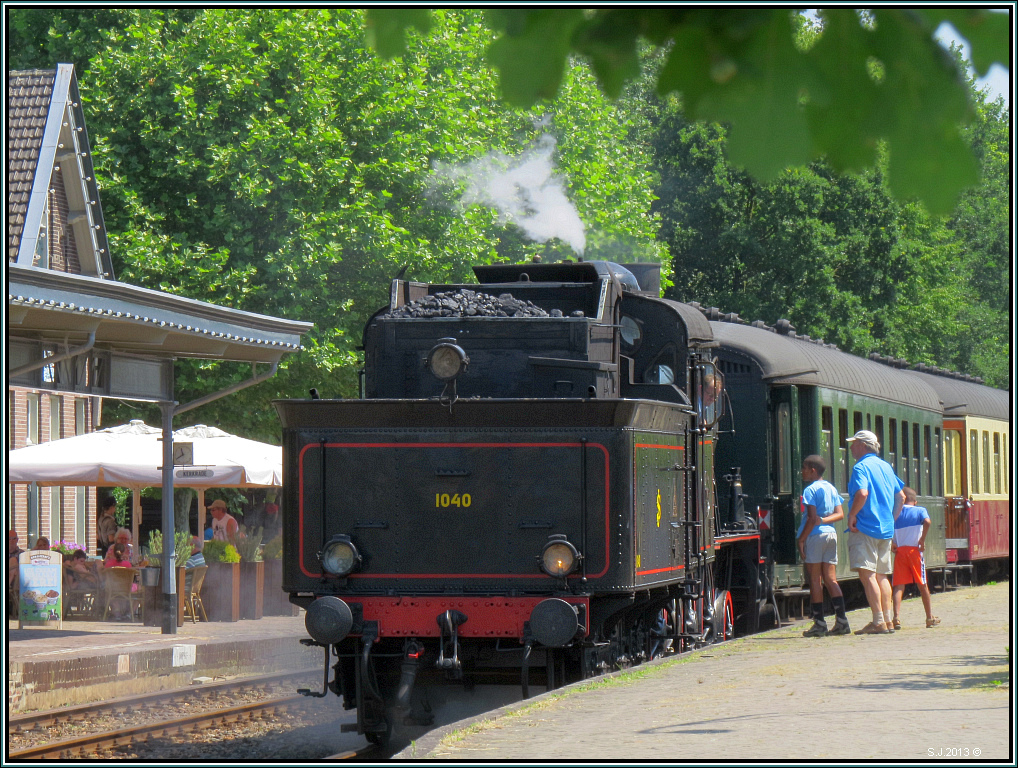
x,y
28,100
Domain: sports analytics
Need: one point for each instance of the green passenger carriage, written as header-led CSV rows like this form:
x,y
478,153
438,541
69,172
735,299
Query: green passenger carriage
x,y
792,396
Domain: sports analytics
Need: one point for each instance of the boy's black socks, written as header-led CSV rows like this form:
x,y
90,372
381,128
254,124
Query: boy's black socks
x,y
839,607
817,609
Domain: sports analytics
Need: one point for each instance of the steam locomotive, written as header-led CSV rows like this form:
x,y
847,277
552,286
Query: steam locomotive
x,y
526,485
543,481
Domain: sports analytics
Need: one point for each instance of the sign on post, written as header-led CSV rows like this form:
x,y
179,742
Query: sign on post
x,y
39,593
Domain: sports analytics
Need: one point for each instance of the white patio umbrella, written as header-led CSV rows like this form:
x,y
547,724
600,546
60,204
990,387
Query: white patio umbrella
x,y
130,455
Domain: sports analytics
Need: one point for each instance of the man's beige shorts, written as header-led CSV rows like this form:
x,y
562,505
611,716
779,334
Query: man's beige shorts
x,y
869,553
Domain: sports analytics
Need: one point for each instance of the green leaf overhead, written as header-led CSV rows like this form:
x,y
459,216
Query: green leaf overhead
x,y
873,76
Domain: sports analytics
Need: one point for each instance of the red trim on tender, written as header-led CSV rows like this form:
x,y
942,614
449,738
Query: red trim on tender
x,y
486,616
730,540
661,570
666,447
318,575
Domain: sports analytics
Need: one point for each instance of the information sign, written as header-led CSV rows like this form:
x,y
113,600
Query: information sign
x,y
39,595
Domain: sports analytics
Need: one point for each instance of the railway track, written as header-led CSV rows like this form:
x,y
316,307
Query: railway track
x,y
33,721
221,727
98,743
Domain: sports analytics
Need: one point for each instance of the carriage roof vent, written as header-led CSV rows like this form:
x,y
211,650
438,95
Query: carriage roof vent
x,y
784,327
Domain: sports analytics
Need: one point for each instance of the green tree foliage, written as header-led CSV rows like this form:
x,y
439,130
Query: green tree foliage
x,y
270,161
870,77
836,254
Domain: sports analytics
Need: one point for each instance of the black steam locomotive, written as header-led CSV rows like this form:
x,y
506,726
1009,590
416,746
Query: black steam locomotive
x,y
526,491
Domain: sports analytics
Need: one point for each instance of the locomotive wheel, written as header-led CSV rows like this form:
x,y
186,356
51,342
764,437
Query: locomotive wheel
x,y
724,623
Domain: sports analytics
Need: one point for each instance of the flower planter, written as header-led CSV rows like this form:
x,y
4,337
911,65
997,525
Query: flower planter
x,y
252,590
221,591
276,603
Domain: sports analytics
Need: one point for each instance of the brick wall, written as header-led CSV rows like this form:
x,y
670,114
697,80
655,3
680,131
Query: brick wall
x,y
18,493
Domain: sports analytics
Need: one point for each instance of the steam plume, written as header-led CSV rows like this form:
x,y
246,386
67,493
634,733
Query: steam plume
x,y
524,190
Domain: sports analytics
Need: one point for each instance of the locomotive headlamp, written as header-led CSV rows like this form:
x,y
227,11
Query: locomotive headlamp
x,y
559,558
339,557
447,360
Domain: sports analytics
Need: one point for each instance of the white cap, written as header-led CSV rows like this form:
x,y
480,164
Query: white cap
x,y
865,437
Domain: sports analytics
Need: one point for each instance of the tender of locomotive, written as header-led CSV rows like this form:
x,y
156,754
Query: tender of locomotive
x,y
525,485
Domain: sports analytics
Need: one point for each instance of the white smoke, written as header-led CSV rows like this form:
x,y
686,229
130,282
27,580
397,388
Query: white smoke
x,y
524,190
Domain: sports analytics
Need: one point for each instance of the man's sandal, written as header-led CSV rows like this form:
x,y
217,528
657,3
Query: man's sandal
x,y
932,622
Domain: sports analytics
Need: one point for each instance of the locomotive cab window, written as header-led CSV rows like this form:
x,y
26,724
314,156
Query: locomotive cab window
x,y
631,333
709,386
662,369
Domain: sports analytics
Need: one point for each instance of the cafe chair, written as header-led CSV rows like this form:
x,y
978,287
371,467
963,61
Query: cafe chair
x,y
116,584
193,579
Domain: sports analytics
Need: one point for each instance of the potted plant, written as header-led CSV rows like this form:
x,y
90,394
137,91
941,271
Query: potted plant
x,y
277,602
252,575
221,590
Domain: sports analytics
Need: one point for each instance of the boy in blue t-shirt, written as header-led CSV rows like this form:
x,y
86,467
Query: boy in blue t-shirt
x,y
909,545
818,546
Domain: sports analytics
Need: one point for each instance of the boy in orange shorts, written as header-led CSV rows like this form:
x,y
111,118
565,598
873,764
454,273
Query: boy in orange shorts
x,y
908,545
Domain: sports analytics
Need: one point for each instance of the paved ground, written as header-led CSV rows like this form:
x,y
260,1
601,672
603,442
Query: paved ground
x,y
918,695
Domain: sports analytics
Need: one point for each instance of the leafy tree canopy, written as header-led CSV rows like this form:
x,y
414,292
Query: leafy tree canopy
x,y
870,77
271,162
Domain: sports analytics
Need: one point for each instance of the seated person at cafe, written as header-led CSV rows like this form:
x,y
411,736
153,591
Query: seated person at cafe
x,y
117,558
41,543
196,558
77,573
123,538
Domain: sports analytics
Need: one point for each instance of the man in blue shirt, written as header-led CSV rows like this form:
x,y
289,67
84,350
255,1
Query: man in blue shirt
x,y
196,558
876,500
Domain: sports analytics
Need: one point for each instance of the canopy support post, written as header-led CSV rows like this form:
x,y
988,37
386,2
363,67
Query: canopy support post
x,y
169,556
135,517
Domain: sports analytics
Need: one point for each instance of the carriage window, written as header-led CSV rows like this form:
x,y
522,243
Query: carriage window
x,y
996,463
952,463
905,454
784,448
986,463
938,479
1003,465
926,461
856,422
827,440
916,460
973,461
892,444
878,430
846,455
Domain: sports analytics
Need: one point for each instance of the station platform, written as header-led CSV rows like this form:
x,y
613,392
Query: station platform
x,y
89,661
938,695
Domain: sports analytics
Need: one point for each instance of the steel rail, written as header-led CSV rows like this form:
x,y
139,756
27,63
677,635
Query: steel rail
x,y
94,743
45,718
